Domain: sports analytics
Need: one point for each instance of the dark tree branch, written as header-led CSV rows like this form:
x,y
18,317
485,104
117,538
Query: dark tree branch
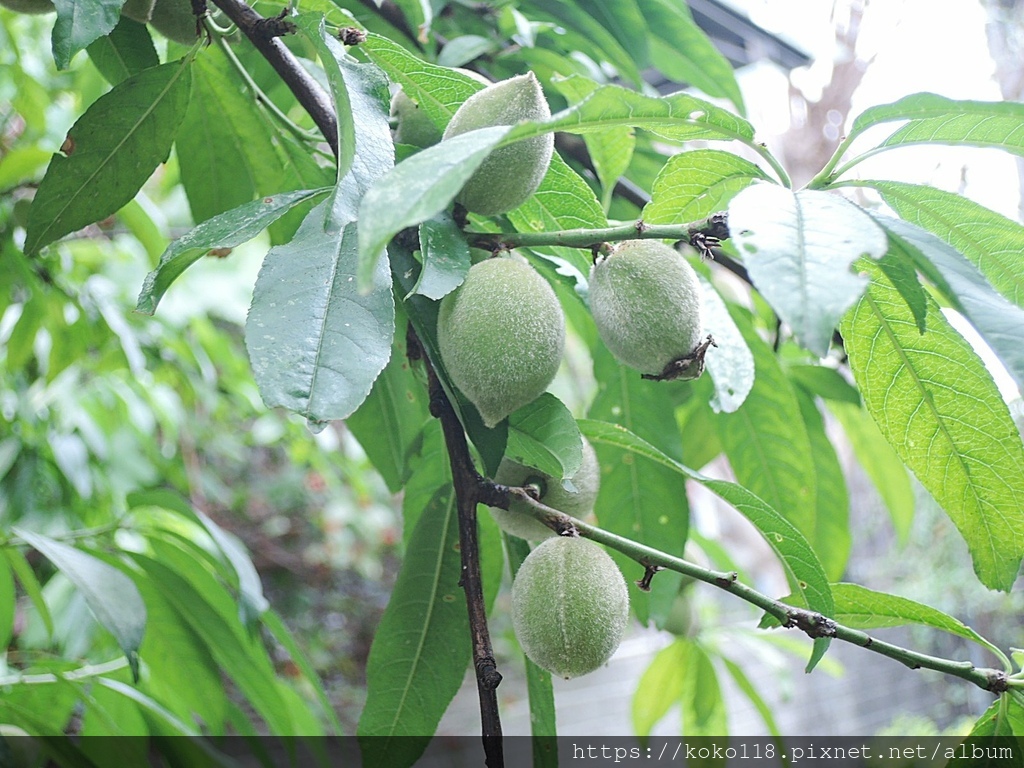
x,y
471,489
262,33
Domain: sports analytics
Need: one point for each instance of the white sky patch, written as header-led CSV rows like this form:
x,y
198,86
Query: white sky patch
x,y
917,45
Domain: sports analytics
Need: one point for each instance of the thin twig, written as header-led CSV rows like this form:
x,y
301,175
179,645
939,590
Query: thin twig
x,y
813,624
308,92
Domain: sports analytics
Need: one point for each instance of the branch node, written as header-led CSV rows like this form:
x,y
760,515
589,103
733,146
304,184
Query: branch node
x,y
351,36
725,582
812,624
640,226
998,682
275,26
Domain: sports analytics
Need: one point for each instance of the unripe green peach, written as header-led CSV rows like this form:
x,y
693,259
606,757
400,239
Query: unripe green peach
x,y
412,124
174,20
517,520
569,606
501,335
507,178
29,6
645,299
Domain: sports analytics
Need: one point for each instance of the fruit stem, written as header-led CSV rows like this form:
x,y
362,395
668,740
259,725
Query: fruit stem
x,y
811,623
715,227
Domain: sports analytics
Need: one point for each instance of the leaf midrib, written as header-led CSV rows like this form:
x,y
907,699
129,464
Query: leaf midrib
x,y
149,110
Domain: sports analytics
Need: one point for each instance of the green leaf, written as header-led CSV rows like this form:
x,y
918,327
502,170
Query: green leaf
x,y
934,119
277,628
862,608
439,91
417,189
544,435
660,686
994,727
126,51
767,443
592,34
682,674
880,462
798,248
832,503
826,383
625,21
678,116
703,707
111,595
149,706
8,598
747,688
182,671
610,151
461,50
798,559
315,342
202,603
392,416
221,126
419,14
445,252
681,50
421,647
563,201
114,147
991,242
692,185
362,99
228,230
998,321
27,578
332,53
639,498
253,603
80,22
898,266
939,408
730,362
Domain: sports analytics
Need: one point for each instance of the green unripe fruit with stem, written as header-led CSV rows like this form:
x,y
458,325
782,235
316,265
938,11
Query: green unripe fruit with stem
x,y
412,124
645,300
501,335
570,606
509,175
517,520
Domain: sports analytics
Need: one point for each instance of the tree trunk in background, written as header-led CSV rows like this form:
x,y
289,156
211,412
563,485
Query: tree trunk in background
x,y
817,126
1005,32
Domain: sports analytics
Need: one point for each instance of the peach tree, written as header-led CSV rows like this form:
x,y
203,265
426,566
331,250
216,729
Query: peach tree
x,y
813,309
